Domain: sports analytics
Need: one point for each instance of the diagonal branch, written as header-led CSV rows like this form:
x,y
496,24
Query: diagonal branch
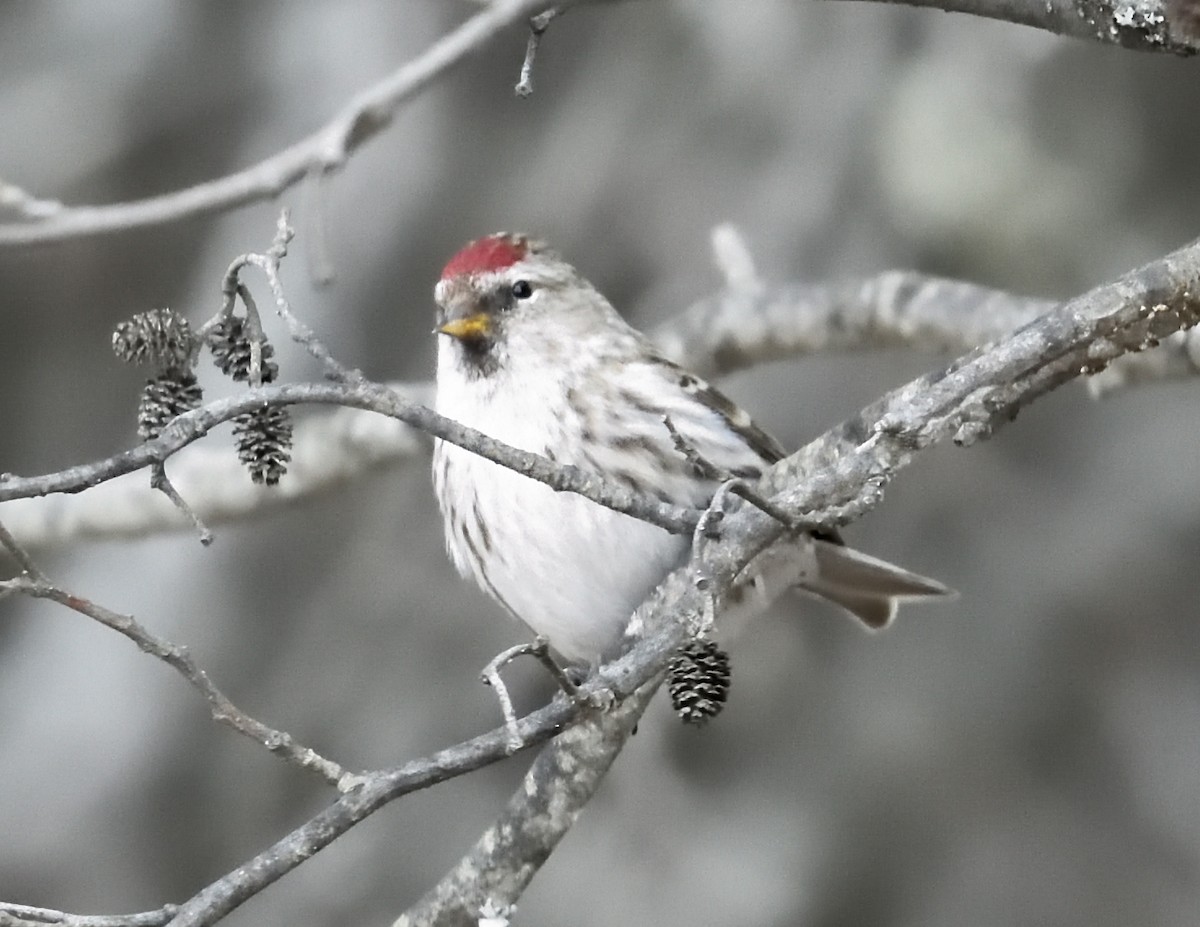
x,y
35,584
326,150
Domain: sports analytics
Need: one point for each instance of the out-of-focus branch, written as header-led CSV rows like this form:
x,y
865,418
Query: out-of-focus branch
x,y
738,328
323,152
1143,25
1177,358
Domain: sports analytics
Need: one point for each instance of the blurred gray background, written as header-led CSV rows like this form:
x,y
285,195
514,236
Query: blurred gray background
x,y
1027,755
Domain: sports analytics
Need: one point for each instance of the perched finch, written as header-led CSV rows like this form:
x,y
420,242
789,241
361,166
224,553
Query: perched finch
x,y
534,356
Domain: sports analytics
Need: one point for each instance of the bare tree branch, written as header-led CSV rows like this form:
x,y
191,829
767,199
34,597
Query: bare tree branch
x,y
159,482
554,791
328,451
193,425
326,150
1145,25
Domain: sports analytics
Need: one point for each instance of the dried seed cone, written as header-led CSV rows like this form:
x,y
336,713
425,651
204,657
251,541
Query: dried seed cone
x,y
166,396
698,681
230,346
264,442
160,336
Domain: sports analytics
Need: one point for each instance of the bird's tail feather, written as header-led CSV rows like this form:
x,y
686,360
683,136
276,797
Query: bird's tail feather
x,y
867,587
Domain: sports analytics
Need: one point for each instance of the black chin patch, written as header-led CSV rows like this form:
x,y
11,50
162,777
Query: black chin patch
x,y
477,357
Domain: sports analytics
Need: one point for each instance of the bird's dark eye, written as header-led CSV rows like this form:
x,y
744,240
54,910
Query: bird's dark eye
x,y
522,289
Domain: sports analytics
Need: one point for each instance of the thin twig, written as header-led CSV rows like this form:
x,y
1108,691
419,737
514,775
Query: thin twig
x,y
254,334
730,483
491,676
20,915
160,482
539,648
36,585
9,543
537,28
268,263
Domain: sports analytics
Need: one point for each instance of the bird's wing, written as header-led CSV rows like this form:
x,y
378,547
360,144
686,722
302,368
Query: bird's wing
x,y
694,390
765,449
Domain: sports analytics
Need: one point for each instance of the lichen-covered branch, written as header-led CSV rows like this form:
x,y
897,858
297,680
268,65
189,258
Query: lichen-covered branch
x,y
557,786
1142,25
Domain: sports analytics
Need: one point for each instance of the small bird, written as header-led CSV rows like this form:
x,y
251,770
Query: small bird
x,y
534,356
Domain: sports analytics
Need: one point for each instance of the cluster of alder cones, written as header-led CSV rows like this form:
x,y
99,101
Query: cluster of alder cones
x,y
162,338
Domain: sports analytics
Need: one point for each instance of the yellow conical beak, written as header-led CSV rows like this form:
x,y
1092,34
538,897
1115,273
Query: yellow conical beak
x,y
478,325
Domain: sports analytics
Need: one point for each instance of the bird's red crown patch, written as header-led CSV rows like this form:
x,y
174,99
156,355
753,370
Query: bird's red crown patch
x,y
492,253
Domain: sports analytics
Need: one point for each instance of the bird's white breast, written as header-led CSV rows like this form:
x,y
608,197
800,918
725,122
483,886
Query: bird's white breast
x,y
572,570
